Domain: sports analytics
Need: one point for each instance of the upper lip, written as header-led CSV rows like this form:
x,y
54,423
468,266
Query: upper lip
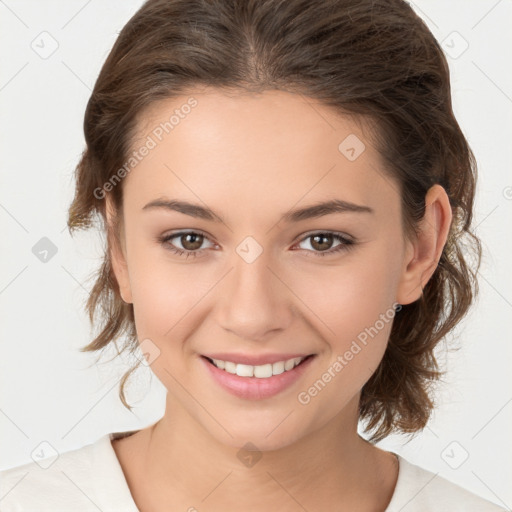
x,y
254,360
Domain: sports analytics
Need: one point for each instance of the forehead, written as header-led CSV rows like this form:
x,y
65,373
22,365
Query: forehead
x,y
254,150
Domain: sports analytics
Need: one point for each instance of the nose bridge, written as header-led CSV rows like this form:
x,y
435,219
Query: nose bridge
x,y
253,301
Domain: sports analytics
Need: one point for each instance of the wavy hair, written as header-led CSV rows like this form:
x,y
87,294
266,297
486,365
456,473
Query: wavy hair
x,y
374,59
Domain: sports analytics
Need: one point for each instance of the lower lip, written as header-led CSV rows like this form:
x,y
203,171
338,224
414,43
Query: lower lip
x,y
254,388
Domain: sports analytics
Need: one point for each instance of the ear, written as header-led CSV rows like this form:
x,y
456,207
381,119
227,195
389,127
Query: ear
x,y
423,253
117,252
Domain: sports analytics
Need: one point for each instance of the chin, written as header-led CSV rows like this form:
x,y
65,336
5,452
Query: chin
x,y
273,432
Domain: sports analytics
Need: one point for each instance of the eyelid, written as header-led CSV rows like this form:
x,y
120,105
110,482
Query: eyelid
x,y
326,232
174,234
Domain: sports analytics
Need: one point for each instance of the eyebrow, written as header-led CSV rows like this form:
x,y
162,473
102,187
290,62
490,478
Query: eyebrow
x,y
307,212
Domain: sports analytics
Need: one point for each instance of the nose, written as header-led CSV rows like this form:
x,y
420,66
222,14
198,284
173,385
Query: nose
x,y
254,301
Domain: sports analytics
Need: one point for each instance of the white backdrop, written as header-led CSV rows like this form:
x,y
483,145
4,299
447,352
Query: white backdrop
x,y
51,54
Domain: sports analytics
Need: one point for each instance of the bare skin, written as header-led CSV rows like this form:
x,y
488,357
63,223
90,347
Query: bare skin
x,y
252,158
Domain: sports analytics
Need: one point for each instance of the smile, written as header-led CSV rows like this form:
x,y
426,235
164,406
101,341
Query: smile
x,y
263,371
256,382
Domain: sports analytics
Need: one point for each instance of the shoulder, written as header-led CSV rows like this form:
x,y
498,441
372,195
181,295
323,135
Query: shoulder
x,y
77,480
420,490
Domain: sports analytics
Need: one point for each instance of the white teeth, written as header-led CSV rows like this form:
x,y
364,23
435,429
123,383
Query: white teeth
x,y
220,364
277,368
262,371
244,370
288,365
230,367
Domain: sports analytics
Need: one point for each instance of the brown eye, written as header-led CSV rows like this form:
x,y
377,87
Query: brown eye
x,y
321,242
191,241
188,243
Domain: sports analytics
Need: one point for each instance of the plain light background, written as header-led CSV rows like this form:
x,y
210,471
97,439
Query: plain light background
x,y
51,54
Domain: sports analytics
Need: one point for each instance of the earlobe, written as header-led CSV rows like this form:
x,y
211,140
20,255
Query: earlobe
x,y
117,253
422,254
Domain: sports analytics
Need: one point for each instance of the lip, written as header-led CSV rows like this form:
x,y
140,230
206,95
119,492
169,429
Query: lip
x,y
255,360
254,388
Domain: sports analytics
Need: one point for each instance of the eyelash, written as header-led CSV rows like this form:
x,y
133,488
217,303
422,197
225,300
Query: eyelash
x,y
345,245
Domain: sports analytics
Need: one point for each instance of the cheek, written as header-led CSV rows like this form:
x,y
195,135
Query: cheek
x,y
350,296
164,291
353,310
166,297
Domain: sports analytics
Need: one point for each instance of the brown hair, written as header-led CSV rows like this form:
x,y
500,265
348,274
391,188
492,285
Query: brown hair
x,y
372,58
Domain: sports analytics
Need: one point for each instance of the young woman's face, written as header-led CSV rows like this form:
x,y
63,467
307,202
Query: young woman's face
x,y
233,271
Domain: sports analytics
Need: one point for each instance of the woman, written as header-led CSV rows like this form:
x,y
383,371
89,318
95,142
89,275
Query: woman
x,y
285,192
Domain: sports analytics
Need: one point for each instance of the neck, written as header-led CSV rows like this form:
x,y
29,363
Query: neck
x,y
183,467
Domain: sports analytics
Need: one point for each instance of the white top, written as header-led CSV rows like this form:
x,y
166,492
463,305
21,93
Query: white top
x,y
91,479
